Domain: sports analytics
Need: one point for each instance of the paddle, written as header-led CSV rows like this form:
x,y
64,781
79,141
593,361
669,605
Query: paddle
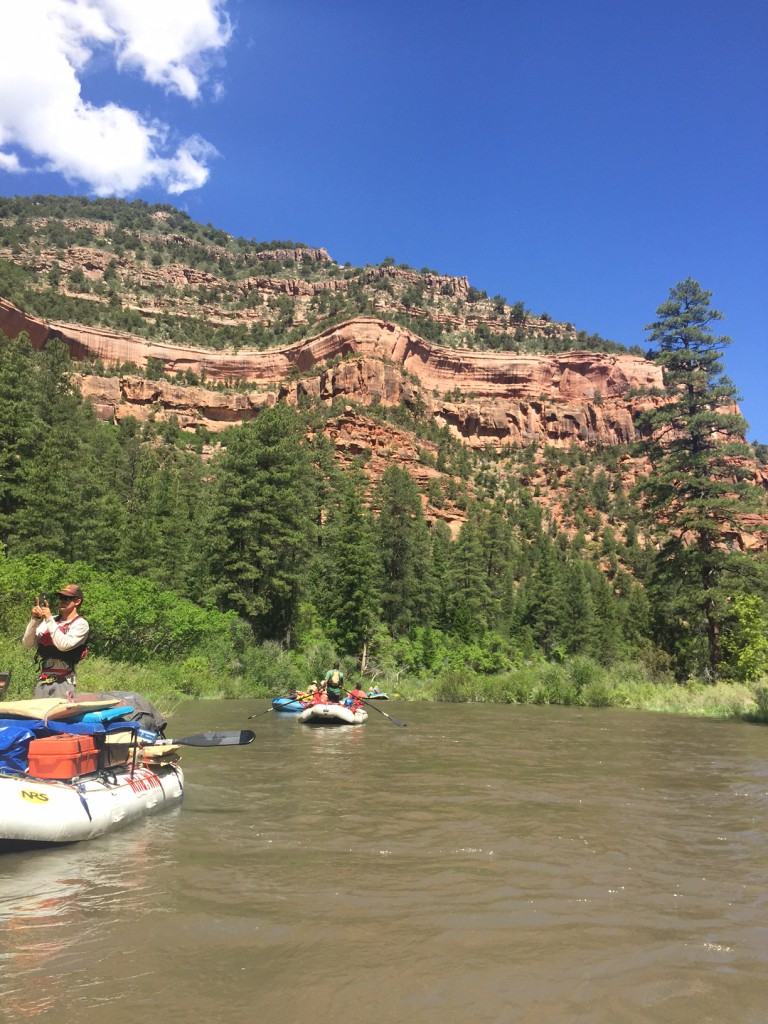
x,y
395,721
216,739
271,709
260,714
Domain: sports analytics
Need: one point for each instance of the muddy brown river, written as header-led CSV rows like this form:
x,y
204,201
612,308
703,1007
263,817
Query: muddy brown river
x,y
484,864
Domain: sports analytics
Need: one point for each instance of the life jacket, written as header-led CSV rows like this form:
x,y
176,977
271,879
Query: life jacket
x,y
48,651
335,677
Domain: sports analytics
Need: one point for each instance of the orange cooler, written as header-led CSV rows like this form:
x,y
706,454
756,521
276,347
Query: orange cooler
x,y
62,757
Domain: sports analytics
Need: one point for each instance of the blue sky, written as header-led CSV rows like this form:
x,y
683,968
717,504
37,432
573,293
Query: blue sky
x,y
580,157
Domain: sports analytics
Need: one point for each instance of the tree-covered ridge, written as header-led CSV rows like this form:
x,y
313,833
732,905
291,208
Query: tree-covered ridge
x,y
276,532
125,215
282,543
558,555
153,271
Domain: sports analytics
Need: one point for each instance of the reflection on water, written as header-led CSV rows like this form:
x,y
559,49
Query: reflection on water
x,y
56,902
484,864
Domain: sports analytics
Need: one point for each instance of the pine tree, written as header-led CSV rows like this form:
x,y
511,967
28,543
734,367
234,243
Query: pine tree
x,y
699,486
95,516
470,593
440,565
577,625
541,600
350,572
136,482
55,471
405,552
499,549
263,523
21,432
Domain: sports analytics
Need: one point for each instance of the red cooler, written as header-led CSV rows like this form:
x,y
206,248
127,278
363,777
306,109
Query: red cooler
x,y
62,757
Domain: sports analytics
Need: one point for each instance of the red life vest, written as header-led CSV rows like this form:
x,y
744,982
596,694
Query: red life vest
x,y
48,651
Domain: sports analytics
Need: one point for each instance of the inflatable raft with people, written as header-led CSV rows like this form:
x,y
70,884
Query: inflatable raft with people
x,y
333,714
75,770
289,705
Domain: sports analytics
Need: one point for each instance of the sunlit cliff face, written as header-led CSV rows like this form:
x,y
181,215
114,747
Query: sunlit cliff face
x,y
495,398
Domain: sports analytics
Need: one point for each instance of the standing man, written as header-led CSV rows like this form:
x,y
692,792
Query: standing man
x,y
334,684
60,641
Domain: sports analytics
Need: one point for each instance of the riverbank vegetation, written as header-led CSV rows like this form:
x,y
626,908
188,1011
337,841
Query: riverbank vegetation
x,y
271,671
248,572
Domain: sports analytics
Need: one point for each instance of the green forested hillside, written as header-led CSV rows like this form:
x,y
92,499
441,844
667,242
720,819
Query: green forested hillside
x,y
276,538
196,566
247,566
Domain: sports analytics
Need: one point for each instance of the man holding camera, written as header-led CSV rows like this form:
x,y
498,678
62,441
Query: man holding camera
x,y
60,641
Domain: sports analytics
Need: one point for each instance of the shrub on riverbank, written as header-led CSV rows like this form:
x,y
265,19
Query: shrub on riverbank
x,y
258,672
760,714
268,671
585,683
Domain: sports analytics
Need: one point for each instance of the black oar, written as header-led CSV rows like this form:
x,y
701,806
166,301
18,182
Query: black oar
x,y
216,739
297,700
260,714
395,721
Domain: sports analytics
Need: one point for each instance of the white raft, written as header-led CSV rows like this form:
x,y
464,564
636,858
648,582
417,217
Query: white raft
x,y
42,811
332,714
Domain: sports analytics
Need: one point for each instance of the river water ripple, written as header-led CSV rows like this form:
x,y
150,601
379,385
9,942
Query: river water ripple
x,y
484,864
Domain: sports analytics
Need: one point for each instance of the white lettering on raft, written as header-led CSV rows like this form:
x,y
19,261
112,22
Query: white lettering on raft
x,y
144,781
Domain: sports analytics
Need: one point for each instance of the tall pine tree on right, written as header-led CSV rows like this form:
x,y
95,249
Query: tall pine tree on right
x,y
699,488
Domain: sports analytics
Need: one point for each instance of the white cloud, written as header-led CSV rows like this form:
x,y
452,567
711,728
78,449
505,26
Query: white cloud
x,y
10,162
47,123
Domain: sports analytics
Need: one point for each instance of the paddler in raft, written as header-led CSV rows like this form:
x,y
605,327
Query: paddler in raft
x,y
355,698
312,693
318,695
60,641
334,684
302,696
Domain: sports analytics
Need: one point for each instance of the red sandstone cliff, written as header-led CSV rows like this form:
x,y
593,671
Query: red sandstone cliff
x,y
495,398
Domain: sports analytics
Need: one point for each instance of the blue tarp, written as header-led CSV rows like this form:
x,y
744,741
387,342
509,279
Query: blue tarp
x,y
91,728
14,740
16,733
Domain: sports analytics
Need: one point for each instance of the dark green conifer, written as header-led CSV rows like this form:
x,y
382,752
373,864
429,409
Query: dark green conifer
x,y
263,523
405,552
700,485
349,574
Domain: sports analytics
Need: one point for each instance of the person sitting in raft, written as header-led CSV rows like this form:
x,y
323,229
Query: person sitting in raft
x,y
60,641
320,696
355,698
373,691
334,684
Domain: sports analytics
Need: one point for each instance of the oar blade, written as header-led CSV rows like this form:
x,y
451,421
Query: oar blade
x,y
370,704
235,738
397,721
